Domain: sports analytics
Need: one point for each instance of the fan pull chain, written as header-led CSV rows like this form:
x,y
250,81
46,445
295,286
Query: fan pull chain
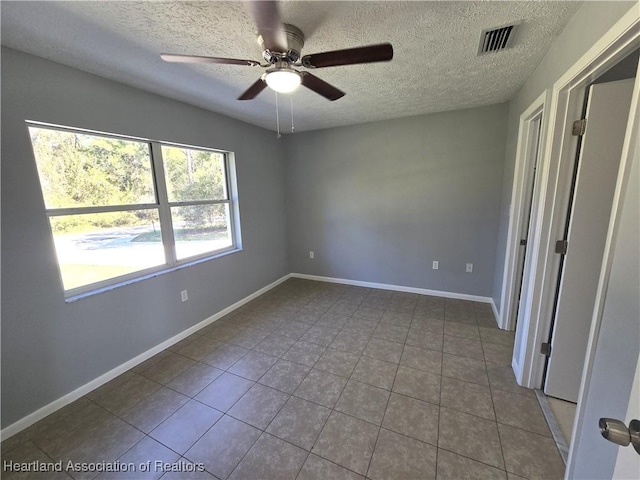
x,y
293,129
277,117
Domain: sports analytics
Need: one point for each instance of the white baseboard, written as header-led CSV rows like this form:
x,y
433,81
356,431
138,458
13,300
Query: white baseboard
x,y
397,288
79,392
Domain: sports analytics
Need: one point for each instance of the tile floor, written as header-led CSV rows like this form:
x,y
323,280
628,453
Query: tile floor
x,y
314,381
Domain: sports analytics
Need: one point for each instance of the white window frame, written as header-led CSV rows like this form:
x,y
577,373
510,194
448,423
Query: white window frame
x,y
162,205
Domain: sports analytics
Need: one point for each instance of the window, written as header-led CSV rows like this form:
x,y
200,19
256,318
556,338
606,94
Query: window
x,y
120,208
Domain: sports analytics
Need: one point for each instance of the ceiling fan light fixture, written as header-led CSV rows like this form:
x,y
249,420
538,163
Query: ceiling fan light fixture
x,y
283,80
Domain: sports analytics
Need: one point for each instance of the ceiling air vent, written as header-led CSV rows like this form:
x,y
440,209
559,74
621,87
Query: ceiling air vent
x,y
496,39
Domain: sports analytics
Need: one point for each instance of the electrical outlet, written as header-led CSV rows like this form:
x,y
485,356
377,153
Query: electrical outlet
x,y
435,265
184,295
469,267
312,254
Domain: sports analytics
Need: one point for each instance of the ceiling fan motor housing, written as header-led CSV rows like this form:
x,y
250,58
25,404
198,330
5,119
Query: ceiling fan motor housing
x,y
295,42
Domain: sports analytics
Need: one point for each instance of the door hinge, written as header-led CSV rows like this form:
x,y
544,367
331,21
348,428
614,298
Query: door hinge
x,y
523,242
561,247
579,127
545,349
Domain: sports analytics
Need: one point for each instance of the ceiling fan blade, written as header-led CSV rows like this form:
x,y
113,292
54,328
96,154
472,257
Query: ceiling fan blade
x,y
253,91
350,56
170,57
266,14
321,87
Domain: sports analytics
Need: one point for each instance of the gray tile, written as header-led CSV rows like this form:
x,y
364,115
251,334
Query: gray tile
x,y
181,430
153,360
350,341
363,401
502,378
413,418
419,338
299,422
224,391
284,376
467,397
530,455
248,338
465,369
344,308
194,379
320,335
455,329
26,453
375,372
57,438
304,353
253,365
321,387
427,324
498,354
270,458
347,441
455,467
154,409
369,313
126,395
394,333
223,446
144,451
224,356
418,384
384,350
470,436
521,412
464,347
188,471
422,359
402,319
106,443
293,329
332,321
360,326
275,345
258,406
397,456
318,468
168,368
500,337
337,362
513,476
487,322
198,348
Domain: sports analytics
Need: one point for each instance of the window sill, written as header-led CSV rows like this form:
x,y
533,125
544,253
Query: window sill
x,y
161,270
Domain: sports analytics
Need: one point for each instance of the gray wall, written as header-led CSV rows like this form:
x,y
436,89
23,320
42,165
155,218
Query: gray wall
x,y
49,347
591,21
379,202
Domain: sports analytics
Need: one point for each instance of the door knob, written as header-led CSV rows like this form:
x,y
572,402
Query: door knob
x,y
617,432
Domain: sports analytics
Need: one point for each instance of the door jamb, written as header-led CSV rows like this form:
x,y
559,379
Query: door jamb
x,y
552,196
516,209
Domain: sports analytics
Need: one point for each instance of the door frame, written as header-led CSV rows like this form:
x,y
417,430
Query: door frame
x,y
517,214
551,198
630,147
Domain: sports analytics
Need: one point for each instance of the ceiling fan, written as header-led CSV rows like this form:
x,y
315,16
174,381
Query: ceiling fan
x,y
281,44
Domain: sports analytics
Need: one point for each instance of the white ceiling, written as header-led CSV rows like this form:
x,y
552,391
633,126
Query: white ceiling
x,y
435,66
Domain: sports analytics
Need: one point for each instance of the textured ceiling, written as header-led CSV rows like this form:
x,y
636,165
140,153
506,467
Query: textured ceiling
x,y
435,66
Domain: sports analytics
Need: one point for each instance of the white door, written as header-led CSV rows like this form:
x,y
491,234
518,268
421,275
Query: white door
x,y
628,461
611,378
607,113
